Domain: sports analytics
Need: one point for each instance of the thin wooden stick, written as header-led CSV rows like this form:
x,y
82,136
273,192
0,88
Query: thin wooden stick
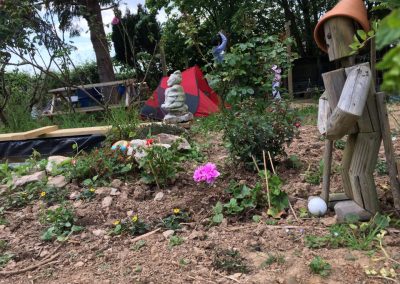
x,y
32,267
228,277
266,179
145,235
255,163
294,212
272,164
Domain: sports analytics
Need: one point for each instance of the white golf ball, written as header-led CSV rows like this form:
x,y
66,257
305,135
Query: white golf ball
x,y
317,206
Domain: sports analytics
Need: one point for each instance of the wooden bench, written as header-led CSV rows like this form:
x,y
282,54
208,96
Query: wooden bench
x,y
67,94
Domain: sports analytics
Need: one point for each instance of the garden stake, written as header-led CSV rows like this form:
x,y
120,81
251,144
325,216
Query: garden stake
x,y
272,164
266,179
255,163
290,205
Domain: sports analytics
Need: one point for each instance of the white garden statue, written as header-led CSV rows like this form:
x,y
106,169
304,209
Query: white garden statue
x,y
174,105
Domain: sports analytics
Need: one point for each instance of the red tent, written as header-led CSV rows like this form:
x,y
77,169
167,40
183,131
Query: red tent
x,y
200,98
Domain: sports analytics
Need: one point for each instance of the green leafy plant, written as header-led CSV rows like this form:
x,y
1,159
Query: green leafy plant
x,y
62,223
230,260
381,167
133,225
5,258
340,144
257,126
319,266
218,214
315,176
294,162
173,221
52,195
103,163
355,236
138,245
20,197
175,241
87,194
273,258
159,165
386,32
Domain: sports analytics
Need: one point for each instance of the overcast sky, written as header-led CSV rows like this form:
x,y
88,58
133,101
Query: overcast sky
x,y
84,51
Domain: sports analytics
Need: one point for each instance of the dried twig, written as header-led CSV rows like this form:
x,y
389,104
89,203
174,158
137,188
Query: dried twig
x,y
46,261
145,235
228,277
294,212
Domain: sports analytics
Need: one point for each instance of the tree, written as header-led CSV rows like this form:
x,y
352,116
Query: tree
x,y
90,10
135,33
243,19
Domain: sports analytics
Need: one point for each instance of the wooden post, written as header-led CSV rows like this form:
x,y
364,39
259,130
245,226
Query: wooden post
x,y
339,32
373,60
333,82
289,52
326,181
389,152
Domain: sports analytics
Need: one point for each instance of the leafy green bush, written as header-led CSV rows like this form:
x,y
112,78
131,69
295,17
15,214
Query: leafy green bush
x,y
62,223
243,199
104,164
160,164
246,69
255,127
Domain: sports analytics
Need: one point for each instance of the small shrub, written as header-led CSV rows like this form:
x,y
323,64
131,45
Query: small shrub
x,y
159,165
104,163
62,223
319,266
255,127
124,124
230,261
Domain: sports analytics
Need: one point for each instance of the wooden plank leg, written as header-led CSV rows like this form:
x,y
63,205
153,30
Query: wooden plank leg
x,y
362,168
346,162
389,151
327,170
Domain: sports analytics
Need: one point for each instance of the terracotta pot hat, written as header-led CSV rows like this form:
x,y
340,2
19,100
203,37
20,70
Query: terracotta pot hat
x,y
354,9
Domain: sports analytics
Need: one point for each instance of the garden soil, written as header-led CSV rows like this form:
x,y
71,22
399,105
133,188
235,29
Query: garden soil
x,y
94,256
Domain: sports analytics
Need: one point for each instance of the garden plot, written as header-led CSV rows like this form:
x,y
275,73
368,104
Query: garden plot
x,y
109,224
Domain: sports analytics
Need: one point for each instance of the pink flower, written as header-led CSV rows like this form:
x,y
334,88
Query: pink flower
x,y
207,173
115,21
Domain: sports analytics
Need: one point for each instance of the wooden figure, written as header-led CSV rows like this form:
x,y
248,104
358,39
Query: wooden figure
x,y
349,106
